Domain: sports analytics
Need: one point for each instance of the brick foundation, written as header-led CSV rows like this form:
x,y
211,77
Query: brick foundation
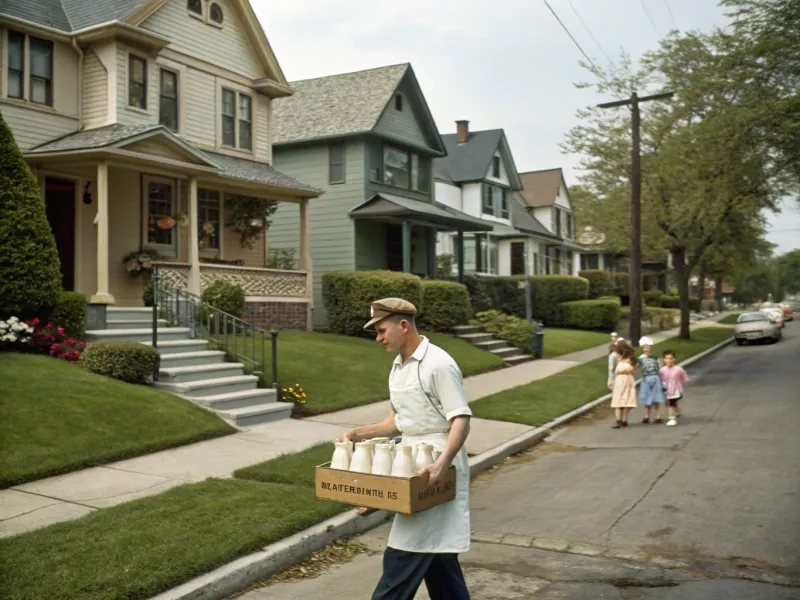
x,y
281,315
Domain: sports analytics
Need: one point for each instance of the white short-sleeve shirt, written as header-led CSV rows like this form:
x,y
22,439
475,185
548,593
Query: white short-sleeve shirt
x,y
440,378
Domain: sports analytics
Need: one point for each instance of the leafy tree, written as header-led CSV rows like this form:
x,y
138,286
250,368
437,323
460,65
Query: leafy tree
x,y
30,272
789,265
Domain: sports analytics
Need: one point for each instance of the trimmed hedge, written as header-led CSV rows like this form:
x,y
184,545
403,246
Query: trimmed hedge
x,y
496,293
600,283
127,361
225,296
347,296
601,315
517,332
652,297
30,272
675,302
445,304
70,313
551,290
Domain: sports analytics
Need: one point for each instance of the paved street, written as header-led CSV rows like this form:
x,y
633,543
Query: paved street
x,y
706,510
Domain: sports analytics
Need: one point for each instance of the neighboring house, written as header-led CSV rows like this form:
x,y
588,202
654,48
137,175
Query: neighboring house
x,y
547,194
147,122
368,140
478,177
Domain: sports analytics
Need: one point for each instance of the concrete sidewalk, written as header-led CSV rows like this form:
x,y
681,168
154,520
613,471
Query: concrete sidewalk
x,y
73,495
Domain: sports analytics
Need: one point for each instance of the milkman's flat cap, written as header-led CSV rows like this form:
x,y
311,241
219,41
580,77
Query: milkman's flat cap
x,y
380,309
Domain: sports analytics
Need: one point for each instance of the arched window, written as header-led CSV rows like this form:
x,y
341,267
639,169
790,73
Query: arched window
x,y
195,6
215,13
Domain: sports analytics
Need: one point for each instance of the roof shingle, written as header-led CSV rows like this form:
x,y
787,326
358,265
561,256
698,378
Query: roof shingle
x,y
70,15
540,188
469,161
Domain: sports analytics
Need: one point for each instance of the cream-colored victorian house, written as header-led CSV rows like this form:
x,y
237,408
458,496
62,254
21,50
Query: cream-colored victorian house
x,y
148,122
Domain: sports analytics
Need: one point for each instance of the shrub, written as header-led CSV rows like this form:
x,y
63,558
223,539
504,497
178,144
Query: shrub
x,y
347,296
30,274
694,303
126,361
600,283
652,297
517,332
53,340
445,304
445,267
496,293
670,301
225,296
551,290
602,315
70,312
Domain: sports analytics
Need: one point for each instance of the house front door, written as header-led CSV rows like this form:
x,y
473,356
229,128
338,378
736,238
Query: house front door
x,y
394,247
518,258
59,200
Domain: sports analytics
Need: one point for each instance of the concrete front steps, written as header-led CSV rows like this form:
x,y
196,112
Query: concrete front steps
x,y
190,370
479,338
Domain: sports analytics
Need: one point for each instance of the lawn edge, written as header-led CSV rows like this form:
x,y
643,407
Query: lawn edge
x,y
243,572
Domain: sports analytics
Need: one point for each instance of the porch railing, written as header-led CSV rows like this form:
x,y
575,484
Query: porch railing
x,y
242,341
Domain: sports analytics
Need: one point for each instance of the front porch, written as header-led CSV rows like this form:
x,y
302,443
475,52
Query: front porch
x,y
152,192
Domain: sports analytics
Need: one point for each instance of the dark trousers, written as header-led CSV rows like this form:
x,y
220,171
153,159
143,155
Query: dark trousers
x,y
403,572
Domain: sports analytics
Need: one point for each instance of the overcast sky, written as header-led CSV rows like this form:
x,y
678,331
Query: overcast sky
x,y
498,63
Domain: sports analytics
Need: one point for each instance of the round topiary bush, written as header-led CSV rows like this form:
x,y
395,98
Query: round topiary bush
x,y
70,313
30,272
445,304
126,361
652,297
225,296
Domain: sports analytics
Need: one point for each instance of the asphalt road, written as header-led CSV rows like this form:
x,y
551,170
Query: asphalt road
x,y
708,510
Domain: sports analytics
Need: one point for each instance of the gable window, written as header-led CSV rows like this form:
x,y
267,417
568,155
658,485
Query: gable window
x,y
488,199
16,64
569,225
137,82
398,102
215,13
336,163
496,167
396,168
558,221
208,213
195,6
494,200
237,120
159,204
168,100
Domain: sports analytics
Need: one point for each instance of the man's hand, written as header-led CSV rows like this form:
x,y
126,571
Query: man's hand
x,y
434,471
347,436
364,511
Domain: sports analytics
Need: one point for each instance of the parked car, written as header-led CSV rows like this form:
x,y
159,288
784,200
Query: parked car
x,y
788,311
775,314
755,326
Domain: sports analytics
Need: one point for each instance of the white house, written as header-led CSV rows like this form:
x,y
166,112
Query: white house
x,y
478,177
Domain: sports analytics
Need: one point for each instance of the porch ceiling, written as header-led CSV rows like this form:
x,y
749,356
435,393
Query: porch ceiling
x,y
388,206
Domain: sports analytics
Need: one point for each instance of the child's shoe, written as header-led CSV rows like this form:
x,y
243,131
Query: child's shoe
x,y
672,422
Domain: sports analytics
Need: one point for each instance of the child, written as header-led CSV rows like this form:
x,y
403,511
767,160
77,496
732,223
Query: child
x,y
623,393
650,391
672,379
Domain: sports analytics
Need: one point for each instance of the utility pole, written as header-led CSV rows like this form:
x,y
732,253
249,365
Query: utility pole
x,y
635,270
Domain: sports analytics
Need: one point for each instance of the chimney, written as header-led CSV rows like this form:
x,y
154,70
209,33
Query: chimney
x,y
462,129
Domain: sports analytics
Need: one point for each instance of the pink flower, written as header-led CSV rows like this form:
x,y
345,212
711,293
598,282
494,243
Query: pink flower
x,y
60,330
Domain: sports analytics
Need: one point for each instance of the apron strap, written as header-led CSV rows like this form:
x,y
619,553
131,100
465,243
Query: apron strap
x,y
434,403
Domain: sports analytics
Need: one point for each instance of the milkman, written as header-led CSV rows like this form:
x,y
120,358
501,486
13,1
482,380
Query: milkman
x,y
427,405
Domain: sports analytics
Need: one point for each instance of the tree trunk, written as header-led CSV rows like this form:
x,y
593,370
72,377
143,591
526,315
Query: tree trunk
x,y
718,292
682,273
701,286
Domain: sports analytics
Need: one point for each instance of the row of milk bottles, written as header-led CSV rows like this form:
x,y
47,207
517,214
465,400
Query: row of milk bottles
x,y
381,456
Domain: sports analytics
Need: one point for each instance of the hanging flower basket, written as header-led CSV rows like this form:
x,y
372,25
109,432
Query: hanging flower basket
x,y
166,222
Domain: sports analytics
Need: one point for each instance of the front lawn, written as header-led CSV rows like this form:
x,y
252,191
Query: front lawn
x,y
339,371
541,401
144,547
57,417
558,342
296,468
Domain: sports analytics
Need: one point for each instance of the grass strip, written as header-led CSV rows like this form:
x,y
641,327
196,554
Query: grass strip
x,y
543,400
730,319
296,468
57,417
558,342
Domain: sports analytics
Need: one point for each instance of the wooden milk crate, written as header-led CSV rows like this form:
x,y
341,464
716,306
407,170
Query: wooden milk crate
x,y
405,495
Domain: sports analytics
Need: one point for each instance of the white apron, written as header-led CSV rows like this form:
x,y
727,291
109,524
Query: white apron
x,y
444,528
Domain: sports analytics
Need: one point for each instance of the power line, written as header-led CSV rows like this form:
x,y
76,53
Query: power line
x,y
649,16
671,15
574,41
590,33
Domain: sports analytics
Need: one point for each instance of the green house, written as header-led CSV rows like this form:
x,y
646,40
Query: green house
x,y
368,140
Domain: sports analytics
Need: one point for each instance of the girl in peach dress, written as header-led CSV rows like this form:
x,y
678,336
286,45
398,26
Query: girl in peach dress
x,y
623,394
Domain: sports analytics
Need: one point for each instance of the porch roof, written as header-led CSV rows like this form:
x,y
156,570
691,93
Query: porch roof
x,y
388,205
117,137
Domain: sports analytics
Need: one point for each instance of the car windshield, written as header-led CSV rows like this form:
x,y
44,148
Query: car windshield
x,y
750,317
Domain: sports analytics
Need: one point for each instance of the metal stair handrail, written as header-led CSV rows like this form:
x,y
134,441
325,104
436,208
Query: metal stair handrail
x,y
184,309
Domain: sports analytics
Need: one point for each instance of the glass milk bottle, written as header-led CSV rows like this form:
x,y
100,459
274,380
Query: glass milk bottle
x,y
362,458
403,465
341,456
382,463
424,456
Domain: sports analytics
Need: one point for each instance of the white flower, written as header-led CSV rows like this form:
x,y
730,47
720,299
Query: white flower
x,y
13,320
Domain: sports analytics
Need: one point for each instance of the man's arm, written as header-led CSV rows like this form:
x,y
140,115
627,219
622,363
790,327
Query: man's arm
x,y
385,428
459,430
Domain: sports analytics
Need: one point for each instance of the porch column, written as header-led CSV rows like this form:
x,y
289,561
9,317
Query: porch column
x,y
103,296
305,261
460,246
194,240
478,253
407,246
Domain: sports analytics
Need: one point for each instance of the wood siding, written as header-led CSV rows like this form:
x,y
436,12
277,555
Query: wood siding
x,y
127,115
402,124
261,144
331,228
227,47
95,92
201,107
33,127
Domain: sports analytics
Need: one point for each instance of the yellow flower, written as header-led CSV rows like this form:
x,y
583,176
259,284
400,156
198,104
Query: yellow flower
x,y
283,390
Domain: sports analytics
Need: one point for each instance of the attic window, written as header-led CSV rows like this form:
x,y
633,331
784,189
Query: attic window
x,y
215,13
496,167
195,6
398,102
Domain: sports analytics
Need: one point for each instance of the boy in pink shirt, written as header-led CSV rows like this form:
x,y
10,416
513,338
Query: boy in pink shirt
x,y
672,379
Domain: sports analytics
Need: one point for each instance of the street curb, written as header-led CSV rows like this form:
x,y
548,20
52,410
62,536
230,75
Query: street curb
x,y
239,574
